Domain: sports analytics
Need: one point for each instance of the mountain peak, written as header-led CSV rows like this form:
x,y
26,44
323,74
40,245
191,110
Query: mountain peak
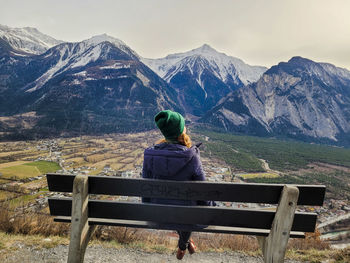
x,y
95,40
299,59
204,50
205,47
98,39
31,29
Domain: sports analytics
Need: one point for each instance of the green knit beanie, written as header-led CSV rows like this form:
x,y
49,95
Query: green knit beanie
x,y
170,123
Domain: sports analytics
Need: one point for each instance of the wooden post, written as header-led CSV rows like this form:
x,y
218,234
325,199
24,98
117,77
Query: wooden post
x,y
274,245
80,229
262,242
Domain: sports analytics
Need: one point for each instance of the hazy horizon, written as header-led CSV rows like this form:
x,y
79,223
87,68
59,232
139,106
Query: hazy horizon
x,y
258,32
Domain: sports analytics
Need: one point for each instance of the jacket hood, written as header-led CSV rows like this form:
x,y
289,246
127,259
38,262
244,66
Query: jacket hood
x,y
171,150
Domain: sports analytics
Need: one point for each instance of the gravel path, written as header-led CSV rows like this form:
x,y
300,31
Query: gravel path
x,y
95,254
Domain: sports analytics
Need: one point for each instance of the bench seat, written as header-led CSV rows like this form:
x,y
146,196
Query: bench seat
x,y
208,229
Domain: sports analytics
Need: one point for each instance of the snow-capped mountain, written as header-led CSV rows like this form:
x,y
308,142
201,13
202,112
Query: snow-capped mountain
x,y
299,98
203,76
68,56
94,86
95,40
27,40
224,67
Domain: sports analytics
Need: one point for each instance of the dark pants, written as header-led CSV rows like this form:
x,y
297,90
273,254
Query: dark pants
x,y
184,236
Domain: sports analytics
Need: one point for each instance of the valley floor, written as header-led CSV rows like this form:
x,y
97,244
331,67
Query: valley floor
x,y
225,158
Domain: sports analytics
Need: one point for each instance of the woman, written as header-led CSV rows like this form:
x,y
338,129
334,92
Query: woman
x,y
173,158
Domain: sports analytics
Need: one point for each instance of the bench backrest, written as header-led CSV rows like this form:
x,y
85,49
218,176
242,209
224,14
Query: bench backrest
x,y
218,216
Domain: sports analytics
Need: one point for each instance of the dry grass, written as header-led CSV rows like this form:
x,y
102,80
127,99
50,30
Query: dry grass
x,y
102,164
94,158
128,236
311,241
116,165
2,181
8,241
29,223
342,255
9,153
318,256
128,160
100,141
9,164
222,242
95,172
128,166
29,158
5,195
34,185
78,161
259,175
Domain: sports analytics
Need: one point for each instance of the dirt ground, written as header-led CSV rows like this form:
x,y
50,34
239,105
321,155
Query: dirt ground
x,y
96,254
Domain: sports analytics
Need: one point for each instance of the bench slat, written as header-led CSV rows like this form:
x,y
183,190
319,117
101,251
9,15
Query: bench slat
x,y
229,192
246,218
209,229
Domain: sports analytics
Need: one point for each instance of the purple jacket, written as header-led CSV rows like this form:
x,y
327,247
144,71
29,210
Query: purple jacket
x,y
168,161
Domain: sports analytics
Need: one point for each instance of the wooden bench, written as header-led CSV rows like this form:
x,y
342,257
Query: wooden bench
x,y
273,228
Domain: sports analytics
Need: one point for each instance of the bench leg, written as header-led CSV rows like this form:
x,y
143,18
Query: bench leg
x,y
274,245
80,230
262,242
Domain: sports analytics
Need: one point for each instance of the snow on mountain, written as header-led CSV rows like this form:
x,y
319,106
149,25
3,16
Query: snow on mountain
x,y
27,39
73,55
223,66
117,42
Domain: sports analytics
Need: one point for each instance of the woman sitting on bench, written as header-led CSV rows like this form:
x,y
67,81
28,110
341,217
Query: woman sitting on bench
x,y
174,158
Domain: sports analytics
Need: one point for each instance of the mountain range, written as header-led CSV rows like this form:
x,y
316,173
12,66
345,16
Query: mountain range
x,y
50,87
95,86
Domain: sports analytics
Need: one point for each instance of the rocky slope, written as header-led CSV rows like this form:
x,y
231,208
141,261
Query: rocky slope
x,y
299,98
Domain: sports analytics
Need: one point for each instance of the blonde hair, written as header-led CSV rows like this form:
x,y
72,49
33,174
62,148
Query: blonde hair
x,y
183,139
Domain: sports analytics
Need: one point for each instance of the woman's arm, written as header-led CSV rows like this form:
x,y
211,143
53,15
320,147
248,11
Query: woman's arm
x,y
198,174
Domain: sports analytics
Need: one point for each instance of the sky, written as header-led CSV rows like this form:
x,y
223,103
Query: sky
x,y
260,32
